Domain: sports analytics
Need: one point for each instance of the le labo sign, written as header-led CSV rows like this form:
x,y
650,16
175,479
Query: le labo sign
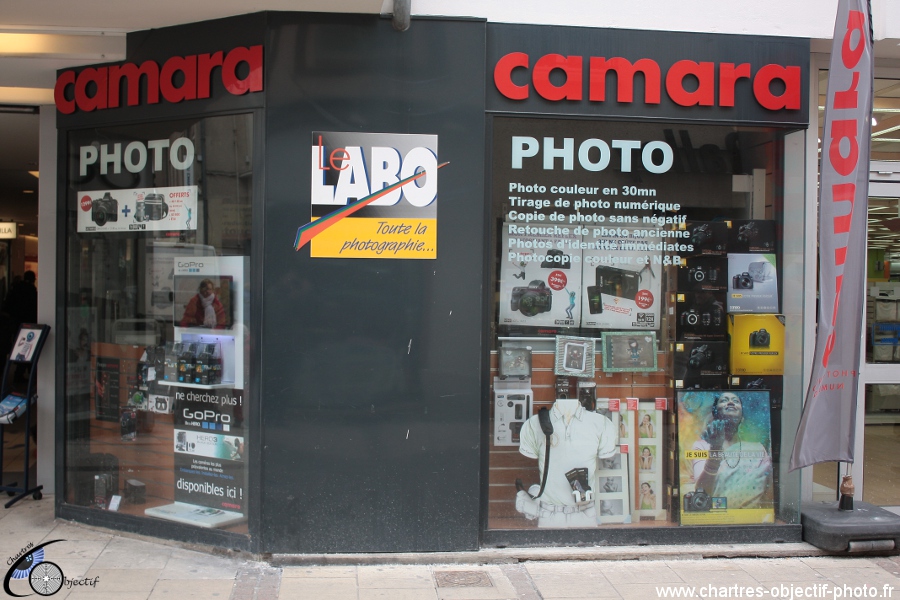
x,y
608,72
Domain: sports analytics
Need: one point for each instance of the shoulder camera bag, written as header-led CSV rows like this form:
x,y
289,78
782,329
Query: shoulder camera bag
x,y
547,428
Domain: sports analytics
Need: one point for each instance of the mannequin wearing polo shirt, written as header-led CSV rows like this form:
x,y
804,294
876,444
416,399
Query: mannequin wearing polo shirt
x,y
579,439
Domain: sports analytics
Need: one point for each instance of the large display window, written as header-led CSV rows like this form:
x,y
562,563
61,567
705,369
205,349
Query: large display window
x,y
156,324
648,296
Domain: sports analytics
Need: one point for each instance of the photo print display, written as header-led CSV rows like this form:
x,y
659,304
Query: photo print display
x,y
633,351
725,464
575,356
648,499
612,490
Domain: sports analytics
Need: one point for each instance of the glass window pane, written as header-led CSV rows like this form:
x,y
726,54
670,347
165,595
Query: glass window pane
x,y
159,221
628,254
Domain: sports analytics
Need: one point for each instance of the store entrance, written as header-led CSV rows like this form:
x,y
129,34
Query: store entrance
x,y
879,407
878,417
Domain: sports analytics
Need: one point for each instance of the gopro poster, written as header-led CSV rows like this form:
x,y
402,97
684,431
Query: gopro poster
x,y
725,457
373,195
209,467
150,209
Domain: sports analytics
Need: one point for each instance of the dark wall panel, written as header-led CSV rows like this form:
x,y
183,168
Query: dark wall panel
x,y
372,368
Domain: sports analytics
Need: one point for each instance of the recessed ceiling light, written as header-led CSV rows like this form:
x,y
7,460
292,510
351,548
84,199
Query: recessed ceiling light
x,y
27,191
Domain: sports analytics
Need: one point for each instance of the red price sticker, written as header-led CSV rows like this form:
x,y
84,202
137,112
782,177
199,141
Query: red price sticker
x,y
644,299
86,203
557,280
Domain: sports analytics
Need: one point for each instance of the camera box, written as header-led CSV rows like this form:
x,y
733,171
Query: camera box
x,y
695,360
773,383
711,382
160,404
751,236
757,344
703,274
752,283
512,407
705,237
700,316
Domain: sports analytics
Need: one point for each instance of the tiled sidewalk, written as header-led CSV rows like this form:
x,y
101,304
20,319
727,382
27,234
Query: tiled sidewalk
x,y
137,569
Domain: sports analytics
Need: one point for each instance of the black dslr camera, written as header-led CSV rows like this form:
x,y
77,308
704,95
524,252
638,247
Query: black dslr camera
x,y
690,317
153,208
699,274
756,384
747,232
742,281
556,259
697,501
532,300
701,234
700,356
104,209
760,339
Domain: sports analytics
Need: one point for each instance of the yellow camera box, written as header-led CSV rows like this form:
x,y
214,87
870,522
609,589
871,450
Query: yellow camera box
x,y
757,344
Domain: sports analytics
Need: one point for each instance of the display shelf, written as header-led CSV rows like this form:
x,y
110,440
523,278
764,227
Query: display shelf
x,y
216,386
885,341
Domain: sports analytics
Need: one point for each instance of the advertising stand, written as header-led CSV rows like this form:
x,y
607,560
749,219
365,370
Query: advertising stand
x,y
25,354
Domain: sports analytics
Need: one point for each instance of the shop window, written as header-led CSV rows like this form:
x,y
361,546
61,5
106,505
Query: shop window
x,y
646,296
158,244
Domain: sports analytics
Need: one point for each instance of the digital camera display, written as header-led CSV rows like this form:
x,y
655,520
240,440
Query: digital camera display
x,y
760,339
532,300
742,281
697,501
104,210
617,282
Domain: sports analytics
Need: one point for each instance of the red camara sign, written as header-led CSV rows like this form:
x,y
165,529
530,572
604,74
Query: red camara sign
x,y
575,86
99,88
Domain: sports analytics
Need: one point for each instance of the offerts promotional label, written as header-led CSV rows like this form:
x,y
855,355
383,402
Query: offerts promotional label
x,y
373,195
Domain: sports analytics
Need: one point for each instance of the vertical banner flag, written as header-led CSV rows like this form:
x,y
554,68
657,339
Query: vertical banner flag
x,y
828,424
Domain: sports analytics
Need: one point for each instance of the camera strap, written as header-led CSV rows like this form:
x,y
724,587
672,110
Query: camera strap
x,y
547,428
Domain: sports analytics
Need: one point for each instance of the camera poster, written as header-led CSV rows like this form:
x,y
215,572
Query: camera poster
x,y
147,209
725,458
622,281
540,276
209,469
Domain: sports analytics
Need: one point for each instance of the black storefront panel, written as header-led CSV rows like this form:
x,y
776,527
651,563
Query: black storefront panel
x,y
371,368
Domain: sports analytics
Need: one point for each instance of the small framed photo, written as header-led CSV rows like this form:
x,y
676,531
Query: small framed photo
x,y
574,356
633,351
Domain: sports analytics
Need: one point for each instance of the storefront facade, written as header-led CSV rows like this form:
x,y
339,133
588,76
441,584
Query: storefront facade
x,y
600,230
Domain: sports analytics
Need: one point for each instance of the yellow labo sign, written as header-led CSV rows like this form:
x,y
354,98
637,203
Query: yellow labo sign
x,y
374,195
377,238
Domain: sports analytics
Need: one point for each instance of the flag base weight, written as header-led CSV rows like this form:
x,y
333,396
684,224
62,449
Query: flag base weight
x,y
868,528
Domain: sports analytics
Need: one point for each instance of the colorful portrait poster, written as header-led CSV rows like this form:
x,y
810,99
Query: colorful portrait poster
x,y
725,457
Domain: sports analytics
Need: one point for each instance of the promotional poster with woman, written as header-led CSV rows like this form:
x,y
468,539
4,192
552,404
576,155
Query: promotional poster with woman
x,y
725,457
